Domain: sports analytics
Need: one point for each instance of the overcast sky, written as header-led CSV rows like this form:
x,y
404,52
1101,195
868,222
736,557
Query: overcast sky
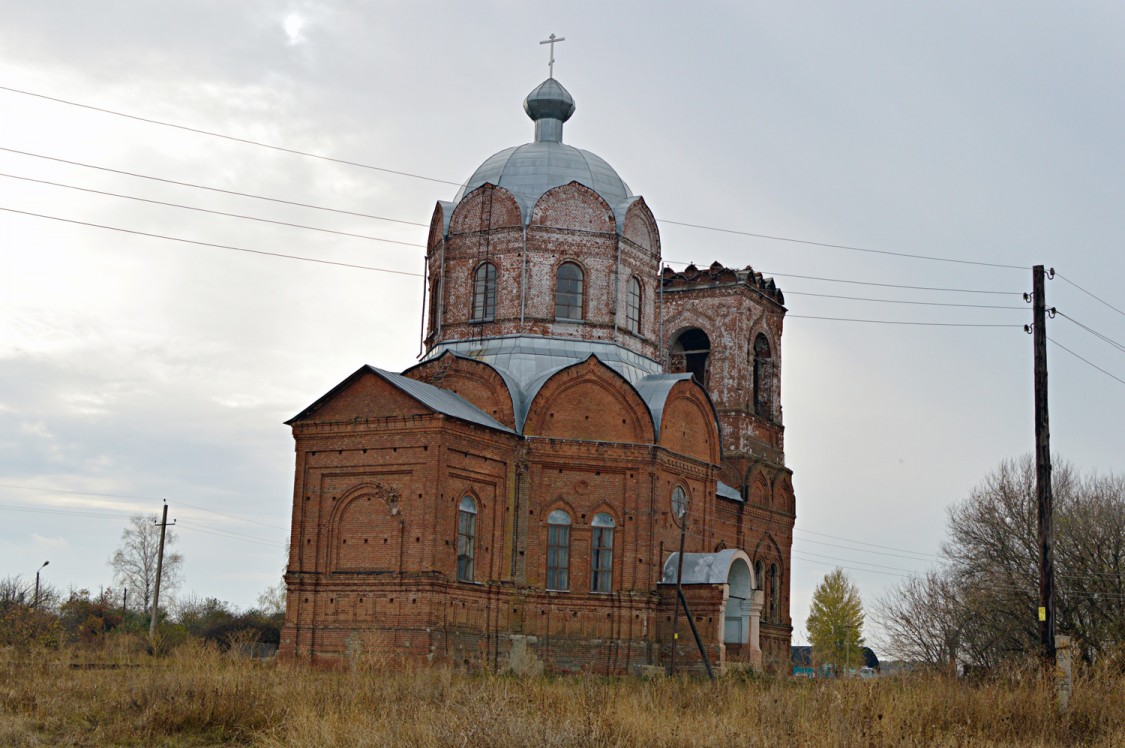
x,y
134,369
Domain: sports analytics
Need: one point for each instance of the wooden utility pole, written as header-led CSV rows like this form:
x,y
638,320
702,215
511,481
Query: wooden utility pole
x,y
1043,469
159,568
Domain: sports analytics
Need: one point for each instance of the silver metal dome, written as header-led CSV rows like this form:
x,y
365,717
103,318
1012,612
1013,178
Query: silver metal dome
x,y
528,171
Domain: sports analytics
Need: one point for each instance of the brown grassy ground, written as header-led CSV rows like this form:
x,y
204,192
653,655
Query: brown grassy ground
x,y
197,696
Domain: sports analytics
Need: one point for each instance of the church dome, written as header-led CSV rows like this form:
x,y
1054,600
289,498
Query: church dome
x,y
528,171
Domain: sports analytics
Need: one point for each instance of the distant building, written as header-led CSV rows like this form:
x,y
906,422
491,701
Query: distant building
x,y
802,660
513,500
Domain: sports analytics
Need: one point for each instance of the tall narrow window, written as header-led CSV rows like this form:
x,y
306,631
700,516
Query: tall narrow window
x,y
601,554
568,292
760,584
466,538
763,378
435,304
484,293
775,595
633,306
558,550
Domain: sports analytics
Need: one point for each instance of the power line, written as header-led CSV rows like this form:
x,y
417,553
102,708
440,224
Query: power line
x,y
248,141
1092,296
419,275
224,136
211,189
1091,363
211,244
873,283
920,557
897,322
212,530
901,301
1092,331
416,223
65,512
850,248
178,501
861,542
213,212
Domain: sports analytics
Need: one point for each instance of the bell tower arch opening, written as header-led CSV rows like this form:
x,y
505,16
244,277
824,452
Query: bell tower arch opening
x,y
764,377
691,354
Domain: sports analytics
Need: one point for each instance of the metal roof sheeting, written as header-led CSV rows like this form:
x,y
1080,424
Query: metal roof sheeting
x,y
441,401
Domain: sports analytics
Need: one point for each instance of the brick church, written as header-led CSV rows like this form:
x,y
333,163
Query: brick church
x,y
517,498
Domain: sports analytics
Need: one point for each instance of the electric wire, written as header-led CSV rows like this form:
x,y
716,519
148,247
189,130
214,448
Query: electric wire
x,y
212,244
196,186
861,542
419,275
1086,361
899,322
850,248
904,301
224,136
177,501
212,212
1092,296
416,223
123,515
1092,331
874,283
348,162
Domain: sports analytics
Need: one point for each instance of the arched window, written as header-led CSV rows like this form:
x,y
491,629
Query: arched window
x,y
484,293
690,353
763,377
558,550
466,538
435,304
568,292
633,306
775,595
601,554
760,584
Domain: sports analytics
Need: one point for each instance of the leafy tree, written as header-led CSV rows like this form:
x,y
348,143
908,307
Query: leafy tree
x,y
835,623
134,562
980,607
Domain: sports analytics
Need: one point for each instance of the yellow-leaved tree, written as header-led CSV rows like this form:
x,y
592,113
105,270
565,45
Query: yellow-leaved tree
x,y
835,623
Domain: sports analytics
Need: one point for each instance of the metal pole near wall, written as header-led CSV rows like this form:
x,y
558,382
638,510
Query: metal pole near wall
x,y
679,591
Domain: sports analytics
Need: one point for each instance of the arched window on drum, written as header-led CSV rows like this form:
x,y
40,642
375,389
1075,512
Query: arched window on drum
x,y
633,307
569,293
484,293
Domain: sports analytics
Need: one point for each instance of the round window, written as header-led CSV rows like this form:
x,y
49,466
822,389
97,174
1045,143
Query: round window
x,y
679,502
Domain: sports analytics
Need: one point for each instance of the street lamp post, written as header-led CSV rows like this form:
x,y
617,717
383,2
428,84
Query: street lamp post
x,y
36,604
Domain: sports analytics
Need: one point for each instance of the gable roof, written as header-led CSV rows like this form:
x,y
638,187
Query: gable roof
x,y
435,398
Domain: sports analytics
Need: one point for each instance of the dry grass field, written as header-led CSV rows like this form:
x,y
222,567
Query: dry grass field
x,y
198,696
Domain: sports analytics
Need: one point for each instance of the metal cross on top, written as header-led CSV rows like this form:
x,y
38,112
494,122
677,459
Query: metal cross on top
x,y
551,40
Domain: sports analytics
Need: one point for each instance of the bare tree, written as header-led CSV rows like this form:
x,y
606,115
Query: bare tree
x,y
980,607
134,562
